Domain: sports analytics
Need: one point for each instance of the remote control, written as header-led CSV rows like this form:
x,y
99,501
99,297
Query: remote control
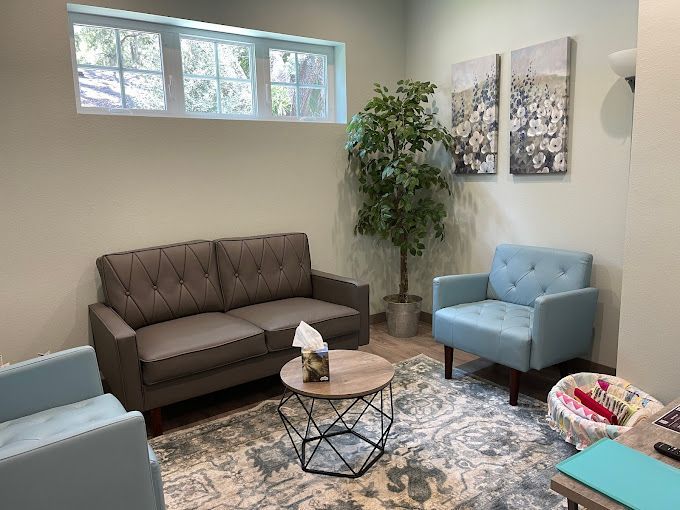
x,y
668,450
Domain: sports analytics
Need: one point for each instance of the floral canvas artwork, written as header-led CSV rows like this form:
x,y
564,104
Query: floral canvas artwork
x,y
538,108
474,115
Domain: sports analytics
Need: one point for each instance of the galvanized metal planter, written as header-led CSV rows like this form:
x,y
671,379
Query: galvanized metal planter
x,y
403,318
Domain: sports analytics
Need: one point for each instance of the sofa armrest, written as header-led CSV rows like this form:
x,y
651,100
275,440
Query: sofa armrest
x,y
563,326
458,289
103,465
116,345
49,381
346,292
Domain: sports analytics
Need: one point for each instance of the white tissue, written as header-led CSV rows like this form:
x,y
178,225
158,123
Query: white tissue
x,y
306,337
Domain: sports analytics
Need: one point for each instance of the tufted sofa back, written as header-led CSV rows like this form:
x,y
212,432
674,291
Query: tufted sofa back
x,y
263,268
157,284
520,274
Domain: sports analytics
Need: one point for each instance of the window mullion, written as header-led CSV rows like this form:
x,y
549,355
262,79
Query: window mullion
x,y
217,73
297,87
123,97
172,72
264,93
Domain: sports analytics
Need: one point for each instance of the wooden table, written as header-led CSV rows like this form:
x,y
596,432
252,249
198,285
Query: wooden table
x,y
359,376
641,438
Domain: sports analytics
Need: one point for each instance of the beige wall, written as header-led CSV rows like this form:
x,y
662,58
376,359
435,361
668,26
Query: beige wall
x,y
649,344
582,210
73,187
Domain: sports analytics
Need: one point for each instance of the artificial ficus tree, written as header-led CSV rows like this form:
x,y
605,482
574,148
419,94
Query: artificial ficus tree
x,y
385,143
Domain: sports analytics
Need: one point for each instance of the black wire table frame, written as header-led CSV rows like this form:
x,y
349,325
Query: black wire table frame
x,y
324,433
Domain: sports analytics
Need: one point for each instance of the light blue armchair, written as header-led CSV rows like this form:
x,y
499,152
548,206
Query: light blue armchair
x,y
65,445
534,309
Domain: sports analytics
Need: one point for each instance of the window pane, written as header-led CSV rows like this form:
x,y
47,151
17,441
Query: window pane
x,y
311,69
144,91
140,50
234,61
99,88
312,102
236,97
284,103
282,66
198,57
95,45
200,95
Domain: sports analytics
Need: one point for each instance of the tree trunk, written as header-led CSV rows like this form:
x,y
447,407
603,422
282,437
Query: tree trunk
x,y
403,283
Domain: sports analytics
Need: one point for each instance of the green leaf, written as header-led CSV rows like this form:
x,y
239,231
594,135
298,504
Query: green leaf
x,y
387,172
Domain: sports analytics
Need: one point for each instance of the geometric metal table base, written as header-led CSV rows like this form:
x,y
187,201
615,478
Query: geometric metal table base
x,y
340,426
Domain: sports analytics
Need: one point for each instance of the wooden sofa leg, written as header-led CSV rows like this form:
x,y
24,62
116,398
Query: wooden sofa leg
x,y
514,386
448,362
156,417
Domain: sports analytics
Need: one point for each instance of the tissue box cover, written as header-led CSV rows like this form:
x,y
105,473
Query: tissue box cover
x,y
315,366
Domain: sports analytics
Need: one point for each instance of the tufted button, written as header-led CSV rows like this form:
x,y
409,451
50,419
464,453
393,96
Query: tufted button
x,y
300,264
280,268
181,282
206,275
127,292
155,287
235,275
259,271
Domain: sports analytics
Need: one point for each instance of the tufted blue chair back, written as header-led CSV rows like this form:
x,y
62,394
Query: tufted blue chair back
x,y
520,274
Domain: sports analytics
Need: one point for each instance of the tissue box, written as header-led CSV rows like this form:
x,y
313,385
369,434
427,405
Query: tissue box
x,y
315,365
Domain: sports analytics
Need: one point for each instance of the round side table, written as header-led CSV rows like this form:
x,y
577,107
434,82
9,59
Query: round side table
x,y
362,378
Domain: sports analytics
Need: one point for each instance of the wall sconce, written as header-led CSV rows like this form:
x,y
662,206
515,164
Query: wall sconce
x,y
623,63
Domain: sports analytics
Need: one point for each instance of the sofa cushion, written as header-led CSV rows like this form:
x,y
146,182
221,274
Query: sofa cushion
x,y
520,274
153,285
185,346
263,268
19,433
279,319
495,330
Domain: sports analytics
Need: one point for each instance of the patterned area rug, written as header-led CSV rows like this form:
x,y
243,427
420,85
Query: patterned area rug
x,y
454,444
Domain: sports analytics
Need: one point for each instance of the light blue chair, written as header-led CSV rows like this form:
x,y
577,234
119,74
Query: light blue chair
x,y
65,445
534,309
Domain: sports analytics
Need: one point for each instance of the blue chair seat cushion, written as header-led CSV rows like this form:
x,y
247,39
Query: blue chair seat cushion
x,y
492,329
21,433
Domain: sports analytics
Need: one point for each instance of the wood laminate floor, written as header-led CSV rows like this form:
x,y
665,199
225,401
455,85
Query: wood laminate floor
x,y
222,403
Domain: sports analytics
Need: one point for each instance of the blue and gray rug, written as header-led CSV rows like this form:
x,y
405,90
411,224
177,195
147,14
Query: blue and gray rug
x,y
454,444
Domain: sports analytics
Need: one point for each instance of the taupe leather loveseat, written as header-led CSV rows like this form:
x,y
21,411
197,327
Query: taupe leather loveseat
x,y
187,319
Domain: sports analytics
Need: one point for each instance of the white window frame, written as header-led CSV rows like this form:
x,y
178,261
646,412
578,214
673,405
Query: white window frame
x,y
170,35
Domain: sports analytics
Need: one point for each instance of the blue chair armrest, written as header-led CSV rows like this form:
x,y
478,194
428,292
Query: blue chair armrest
x,y
49,381
458,289
104,465
563,326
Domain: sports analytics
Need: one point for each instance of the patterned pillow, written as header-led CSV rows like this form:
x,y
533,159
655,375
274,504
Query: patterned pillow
x,y
579,409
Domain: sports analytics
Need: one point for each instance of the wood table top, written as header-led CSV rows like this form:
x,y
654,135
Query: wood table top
x,y
352,374
641,438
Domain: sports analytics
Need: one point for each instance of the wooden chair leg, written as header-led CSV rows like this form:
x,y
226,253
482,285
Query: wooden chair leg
x,y
514,386
448,362
156,418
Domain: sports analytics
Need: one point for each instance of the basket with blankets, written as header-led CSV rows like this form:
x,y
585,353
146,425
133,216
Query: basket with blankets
x,y
586,407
